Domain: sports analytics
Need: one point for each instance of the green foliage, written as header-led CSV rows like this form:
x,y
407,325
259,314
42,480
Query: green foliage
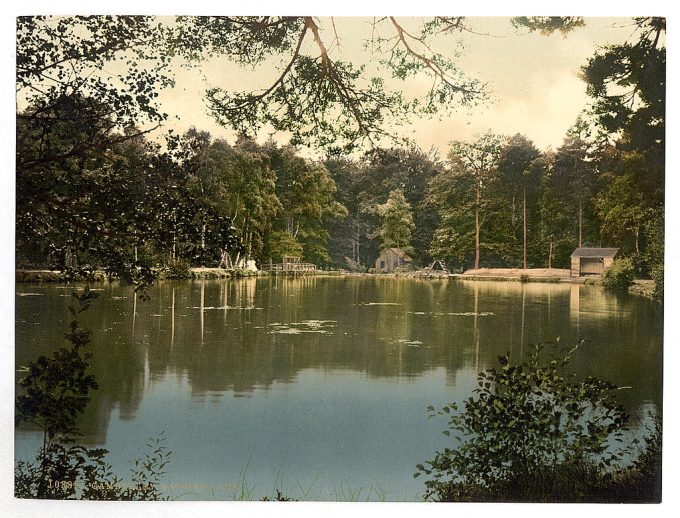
x,y
628,84
124,209
397,222
527,423
470,206
319,95
237,183
306,192
621,205
547,25
643,480
58,57
452,194
653,232
575,178
56,389
80,187
620,276
353,266
520,172
282,244
365,183
65,472
177,270
387,170
658,277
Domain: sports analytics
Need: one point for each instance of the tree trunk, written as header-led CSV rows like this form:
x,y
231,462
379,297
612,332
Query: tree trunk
x,y
174,236
42,483
580,223
514,215
477,229
358,241
550,253
524,217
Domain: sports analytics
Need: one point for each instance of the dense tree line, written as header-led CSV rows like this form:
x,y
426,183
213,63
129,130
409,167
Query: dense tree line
x,y
495,202
92,190
365,186
136,205
500,202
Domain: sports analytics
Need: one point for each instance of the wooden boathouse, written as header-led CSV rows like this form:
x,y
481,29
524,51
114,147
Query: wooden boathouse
x,y
587,261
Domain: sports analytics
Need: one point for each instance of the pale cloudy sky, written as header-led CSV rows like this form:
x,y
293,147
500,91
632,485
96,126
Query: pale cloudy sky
x,y
532,80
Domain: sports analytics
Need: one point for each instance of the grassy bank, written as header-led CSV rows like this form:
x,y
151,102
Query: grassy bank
x,y
644,287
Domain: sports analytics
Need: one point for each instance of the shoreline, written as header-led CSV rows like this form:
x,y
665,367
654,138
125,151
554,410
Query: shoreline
x,y
25,275
642,287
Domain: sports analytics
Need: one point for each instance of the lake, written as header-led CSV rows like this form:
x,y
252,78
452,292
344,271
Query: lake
x,y
319,385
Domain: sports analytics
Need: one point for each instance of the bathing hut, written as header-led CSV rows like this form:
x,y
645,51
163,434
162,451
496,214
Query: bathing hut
x,y
391,259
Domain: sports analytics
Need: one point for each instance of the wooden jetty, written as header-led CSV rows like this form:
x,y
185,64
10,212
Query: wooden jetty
x,y
292,265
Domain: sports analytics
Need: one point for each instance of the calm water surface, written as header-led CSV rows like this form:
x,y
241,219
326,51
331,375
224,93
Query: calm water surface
x,y
319,385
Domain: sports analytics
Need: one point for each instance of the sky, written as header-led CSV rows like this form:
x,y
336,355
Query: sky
x,y
532,80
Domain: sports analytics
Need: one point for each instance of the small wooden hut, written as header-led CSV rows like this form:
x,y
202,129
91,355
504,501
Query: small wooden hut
x,y
587,261
391,259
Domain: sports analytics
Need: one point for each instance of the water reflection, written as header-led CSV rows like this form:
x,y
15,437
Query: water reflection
x,y
476,328
575,304
230,338
521,339
172,323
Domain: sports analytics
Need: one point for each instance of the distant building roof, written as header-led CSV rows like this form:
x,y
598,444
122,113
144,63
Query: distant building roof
x,y
594,252
399,252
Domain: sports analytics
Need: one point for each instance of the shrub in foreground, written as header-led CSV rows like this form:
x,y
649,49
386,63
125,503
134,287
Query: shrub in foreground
x,y
532,433
64,471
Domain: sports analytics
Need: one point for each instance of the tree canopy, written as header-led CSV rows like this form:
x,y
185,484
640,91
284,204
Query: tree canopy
x,y
63,76
321,96
397,222
94,191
